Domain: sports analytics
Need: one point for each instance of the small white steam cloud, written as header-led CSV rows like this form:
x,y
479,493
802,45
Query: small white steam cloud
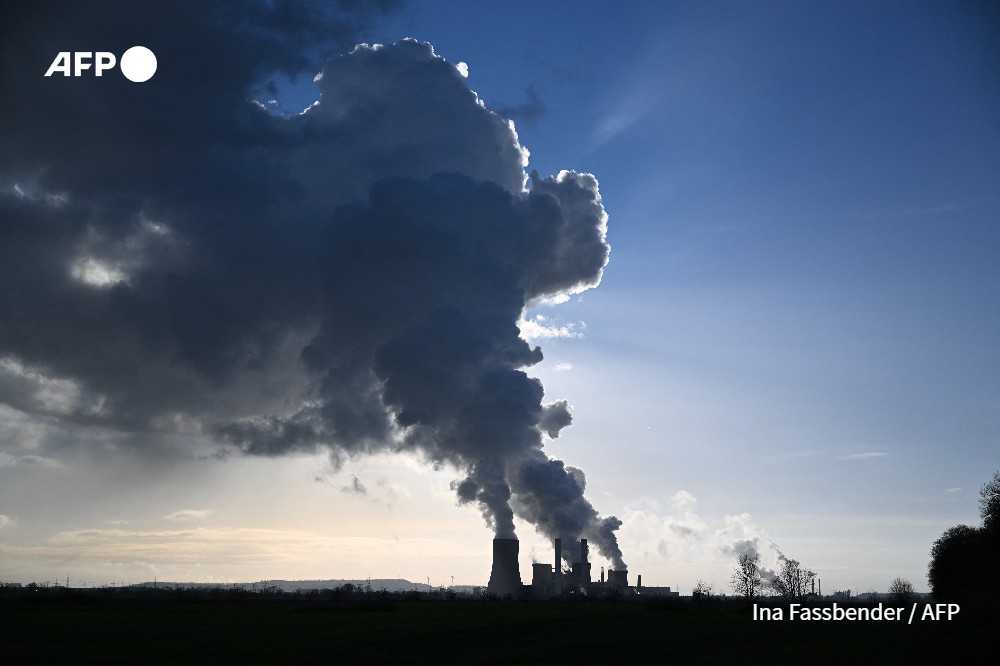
x,y
677,534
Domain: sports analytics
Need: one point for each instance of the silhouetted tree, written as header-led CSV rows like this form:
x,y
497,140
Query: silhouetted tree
x,y
955,556
963,566
702,591
901,590
746,579
989,504
792,581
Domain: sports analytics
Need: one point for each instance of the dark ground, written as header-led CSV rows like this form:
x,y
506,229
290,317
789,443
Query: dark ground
x,y
188,629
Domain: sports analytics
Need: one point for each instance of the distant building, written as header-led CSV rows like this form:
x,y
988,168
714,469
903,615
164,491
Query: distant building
x,y
549,581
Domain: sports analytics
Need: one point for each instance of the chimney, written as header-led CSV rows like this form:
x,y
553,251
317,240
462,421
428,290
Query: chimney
x,y
505,578
584,565
558,569
638,582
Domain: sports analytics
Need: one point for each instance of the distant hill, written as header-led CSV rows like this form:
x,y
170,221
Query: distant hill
x,y
388,584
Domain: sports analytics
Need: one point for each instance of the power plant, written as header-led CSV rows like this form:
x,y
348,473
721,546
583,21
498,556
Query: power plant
x,y
505,577
551,580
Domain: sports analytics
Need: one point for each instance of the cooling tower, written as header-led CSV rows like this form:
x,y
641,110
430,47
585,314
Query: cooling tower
x,y
557,571
505,578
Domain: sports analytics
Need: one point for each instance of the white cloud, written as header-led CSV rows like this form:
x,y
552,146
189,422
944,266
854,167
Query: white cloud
x,y
536,328
188,514
97,273
463,69
104,263
864,456
5,521
562,367
683,500
551,301
680,537
953,490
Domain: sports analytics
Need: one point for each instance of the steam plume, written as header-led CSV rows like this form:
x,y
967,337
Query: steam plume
x,y
348,279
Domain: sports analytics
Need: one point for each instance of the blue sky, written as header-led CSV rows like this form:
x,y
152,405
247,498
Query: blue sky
x,y
800,317
795,340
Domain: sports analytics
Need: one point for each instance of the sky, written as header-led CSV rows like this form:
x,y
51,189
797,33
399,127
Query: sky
x,y
676,277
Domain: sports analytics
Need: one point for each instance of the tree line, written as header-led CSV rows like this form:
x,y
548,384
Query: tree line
x,y
791,581
963,567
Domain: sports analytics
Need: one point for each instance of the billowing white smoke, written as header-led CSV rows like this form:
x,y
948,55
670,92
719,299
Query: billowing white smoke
x,y
349,279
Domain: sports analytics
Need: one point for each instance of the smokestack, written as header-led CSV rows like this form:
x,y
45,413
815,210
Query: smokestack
x,y
638,582
558,569
505,578
584,565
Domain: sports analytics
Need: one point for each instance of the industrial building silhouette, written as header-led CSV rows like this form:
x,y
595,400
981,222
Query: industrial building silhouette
x,y
549,581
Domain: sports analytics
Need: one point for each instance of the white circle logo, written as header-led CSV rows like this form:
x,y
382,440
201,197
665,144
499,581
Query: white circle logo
x,y
138,64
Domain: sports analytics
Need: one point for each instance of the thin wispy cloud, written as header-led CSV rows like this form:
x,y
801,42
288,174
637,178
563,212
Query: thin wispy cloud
x,y
868,455
185,515
42,461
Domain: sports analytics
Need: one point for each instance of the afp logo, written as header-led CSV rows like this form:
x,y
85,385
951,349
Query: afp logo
x,y
138,64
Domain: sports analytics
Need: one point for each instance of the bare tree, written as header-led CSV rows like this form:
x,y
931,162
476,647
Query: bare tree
x,y
746,580
792,581
901,590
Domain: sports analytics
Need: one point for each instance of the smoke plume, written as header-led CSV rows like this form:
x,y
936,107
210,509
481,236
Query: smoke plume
x,y
349,279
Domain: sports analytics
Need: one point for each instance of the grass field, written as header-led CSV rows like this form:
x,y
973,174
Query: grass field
x,y
83,629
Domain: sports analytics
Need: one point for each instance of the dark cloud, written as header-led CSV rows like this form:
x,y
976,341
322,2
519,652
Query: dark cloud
x,y
555,417
178,260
